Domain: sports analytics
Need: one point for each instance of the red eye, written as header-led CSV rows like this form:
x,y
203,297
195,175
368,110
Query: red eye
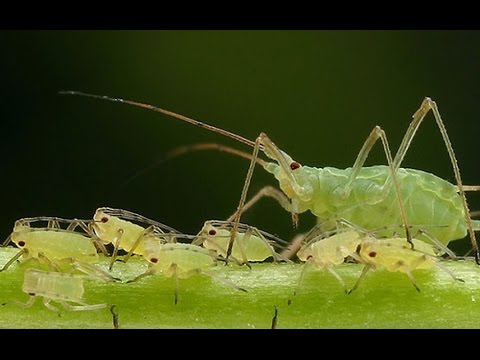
x,y
372,254
294,165
21,243
104,219
154,260
212,232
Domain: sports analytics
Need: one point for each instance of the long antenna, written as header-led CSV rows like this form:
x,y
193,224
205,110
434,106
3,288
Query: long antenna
x,y
165,112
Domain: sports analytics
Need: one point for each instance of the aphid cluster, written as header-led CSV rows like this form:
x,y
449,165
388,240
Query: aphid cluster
x,y
70,249
380,216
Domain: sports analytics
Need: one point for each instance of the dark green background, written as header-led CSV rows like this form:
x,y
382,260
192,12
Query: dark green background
x,y
316,93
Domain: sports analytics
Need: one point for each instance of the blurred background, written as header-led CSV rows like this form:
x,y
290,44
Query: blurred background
x,y
317,94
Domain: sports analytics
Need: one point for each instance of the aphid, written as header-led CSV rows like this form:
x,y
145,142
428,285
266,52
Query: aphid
x,y
55,245
115,226
250,244
180,261
325,254
371,197
63,288
394,254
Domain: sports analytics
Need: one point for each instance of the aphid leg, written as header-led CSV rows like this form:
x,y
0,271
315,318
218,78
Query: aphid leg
x,y
293,247
246,185
83,306
13,259
149,272
270,191
276,257
7,241
114,312
246,238
92,270
300,278
88,230
375,134
49,306
220,279
339,278
117,240
443,268
51,265
418,117
474,214
360,278
438,244
146,232
29,303
412,279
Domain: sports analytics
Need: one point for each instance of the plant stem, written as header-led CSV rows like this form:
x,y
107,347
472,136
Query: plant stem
x,y
383,299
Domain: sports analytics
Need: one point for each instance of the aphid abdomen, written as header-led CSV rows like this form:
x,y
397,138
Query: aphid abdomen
x,y
430,202
53,285
255,248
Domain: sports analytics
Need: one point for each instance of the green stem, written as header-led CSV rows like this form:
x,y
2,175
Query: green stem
x,y
383,299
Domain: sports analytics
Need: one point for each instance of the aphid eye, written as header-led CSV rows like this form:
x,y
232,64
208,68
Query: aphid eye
x,y
154,260
31,294
309,257
294,165
372,254
104,219
21,243
212,232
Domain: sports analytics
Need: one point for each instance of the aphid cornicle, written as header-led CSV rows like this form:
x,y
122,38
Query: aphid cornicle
x,y
116,226
179,260
56,246
370,197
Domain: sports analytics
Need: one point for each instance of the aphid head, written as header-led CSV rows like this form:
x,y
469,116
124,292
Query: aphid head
x,y
291,175
209,230
101,222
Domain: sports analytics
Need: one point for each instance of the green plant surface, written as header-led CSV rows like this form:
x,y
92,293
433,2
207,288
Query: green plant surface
x,y
383,300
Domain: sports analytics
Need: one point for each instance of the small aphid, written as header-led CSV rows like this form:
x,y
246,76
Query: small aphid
x,y
64,288
179,261
325,254
116,226
55,245
250,245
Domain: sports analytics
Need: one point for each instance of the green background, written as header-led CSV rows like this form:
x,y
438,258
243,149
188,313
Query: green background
x,y
317,94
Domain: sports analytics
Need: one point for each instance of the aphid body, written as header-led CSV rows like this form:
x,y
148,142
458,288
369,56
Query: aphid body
x,y
56,286
250,244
